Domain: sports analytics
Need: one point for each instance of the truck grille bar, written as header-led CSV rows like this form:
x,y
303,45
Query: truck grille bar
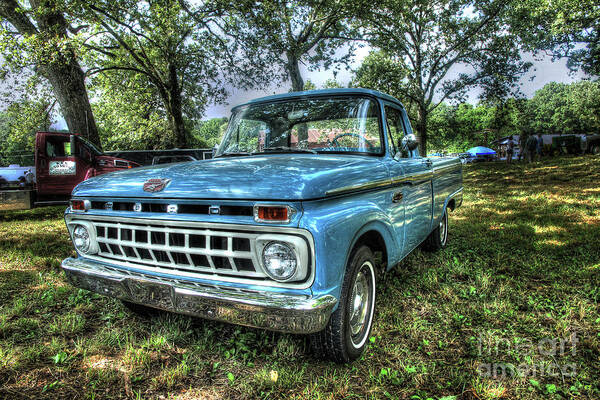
x,y
192,250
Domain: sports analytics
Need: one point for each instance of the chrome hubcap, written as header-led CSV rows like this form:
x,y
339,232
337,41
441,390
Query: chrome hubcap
x,y
361,304
443,228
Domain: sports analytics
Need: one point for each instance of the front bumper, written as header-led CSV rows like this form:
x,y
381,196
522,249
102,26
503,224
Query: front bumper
x,y
272,311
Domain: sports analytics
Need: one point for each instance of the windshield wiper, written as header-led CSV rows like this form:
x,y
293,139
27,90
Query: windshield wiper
x,y
234,153
286,149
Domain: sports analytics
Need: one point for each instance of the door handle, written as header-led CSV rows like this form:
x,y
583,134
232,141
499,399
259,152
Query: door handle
x,y
397,197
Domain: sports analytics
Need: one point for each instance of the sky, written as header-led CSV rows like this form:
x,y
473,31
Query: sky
x,y
544,70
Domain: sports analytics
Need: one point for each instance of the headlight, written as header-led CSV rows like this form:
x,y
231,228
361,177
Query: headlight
x,y
81,239
280,261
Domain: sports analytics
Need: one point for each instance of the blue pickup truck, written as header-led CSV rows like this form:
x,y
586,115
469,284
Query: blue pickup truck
x,y
309,197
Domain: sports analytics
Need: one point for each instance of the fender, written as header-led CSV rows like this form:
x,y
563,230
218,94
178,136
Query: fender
x,y
339,225
386,231
458,196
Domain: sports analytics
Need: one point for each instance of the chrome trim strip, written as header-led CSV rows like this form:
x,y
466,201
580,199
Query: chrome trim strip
x,y
358,187
272,311
413,177
225,230
447,169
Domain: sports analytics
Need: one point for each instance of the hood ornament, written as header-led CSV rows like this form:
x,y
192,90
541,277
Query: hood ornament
x,y
155,184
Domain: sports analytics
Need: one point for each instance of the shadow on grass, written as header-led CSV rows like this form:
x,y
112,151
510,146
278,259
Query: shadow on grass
x,y
40,244
12,282
36,214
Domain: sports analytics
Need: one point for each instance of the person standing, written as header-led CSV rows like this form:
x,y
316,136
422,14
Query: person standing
x,y
510,148
531,147
540,146
522,140
583,144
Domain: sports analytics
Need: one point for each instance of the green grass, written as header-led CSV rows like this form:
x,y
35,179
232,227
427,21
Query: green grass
x,y
522,267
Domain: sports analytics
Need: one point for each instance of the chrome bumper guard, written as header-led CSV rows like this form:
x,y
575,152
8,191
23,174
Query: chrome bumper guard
x,y
277,312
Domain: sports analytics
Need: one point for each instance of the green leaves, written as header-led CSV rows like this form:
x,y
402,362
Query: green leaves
x,y
281,35
565,108
230,378
60,357
566,28
422,41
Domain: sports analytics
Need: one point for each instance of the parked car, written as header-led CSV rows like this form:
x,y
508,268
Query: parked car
x,y
146,157
465,158
62,160
566,144
593,144
171,159
281,229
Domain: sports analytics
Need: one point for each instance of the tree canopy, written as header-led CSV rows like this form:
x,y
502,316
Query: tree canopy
x,y
38,35
152,67
423,42
163,44
289,33
566,28
565,108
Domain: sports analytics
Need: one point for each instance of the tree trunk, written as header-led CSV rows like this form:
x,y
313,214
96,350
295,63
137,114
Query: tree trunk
x,y
178,127
175,109
63,70
293,67
422,130
68,85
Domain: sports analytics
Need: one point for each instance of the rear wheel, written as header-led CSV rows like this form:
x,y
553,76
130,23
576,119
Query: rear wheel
x,y
595,150
439,237
345,336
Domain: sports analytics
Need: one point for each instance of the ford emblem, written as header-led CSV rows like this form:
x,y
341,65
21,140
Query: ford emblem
x,y
155,184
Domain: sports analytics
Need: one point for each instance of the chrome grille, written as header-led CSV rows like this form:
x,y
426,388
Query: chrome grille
x,y
186,250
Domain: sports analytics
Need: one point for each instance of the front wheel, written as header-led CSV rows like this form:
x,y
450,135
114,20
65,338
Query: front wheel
x,y
439,237
345,336
595,150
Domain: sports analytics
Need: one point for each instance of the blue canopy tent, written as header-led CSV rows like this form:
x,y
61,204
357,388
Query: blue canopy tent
x,y
480,153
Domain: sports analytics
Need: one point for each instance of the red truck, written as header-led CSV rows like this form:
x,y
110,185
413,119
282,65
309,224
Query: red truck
x,y
62,160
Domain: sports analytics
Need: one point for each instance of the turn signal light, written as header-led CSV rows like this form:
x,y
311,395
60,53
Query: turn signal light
x,y
80,205
273,213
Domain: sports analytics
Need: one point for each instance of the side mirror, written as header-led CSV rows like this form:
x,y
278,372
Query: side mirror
x,y
72,144
214,150
409,143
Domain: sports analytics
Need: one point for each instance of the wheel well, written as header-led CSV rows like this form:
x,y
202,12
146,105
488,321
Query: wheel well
x,y
451,204
376,243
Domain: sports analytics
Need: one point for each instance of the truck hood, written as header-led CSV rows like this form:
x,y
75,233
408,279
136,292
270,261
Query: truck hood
x,y
264,177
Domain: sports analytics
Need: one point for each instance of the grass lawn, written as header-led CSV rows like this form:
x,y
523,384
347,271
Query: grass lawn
x,y
519,277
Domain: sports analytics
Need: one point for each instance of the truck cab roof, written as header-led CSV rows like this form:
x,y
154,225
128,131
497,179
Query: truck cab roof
x,y
322,92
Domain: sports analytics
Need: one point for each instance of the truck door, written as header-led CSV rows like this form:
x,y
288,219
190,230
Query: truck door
x,y
59,168
412,175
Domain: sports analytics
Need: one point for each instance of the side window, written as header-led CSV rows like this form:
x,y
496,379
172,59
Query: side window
x,y
393,119
58,147
83,151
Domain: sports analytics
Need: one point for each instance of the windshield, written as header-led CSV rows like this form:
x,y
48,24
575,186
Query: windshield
x,y
317,125
93,148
